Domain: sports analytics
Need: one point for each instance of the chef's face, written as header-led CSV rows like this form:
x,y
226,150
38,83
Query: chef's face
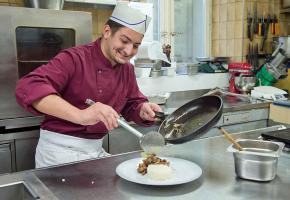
x,y
122,45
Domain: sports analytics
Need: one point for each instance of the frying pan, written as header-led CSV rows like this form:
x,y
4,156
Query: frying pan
x,y
192,120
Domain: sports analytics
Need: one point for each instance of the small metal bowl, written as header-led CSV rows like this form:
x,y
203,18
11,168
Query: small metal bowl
x,y
258,160
245,83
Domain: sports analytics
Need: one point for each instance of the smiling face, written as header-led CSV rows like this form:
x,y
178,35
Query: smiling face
x,y
121,46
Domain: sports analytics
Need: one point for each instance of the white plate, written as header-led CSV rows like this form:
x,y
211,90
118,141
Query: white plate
x,y
183,171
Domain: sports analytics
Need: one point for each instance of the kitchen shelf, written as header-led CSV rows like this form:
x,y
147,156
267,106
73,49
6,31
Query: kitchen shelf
x,y
97,2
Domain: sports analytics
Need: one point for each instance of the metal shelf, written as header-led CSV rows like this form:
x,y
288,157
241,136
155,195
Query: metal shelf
x,y
97,2
285,10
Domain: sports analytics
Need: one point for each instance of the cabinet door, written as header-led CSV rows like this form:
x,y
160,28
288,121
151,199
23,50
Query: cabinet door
x,y
25,150
5,158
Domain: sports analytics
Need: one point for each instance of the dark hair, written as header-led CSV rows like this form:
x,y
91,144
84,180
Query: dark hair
x,y
114,26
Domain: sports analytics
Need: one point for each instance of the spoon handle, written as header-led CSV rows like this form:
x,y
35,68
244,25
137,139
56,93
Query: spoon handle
x,y
121,122
231,139
129,128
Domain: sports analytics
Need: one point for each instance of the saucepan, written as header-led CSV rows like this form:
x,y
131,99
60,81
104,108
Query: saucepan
x,y
192,120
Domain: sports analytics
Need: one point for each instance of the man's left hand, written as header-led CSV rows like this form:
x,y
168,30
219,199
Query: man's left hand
x,y
147,111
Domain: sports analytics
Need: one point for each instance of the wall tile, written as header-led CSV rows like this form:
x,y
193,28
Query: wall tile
x,y
230,47
223,30
223,12
238,47
215,2
238,29
216,13
215,48
222,48
239,11
231,30
231,12
215,31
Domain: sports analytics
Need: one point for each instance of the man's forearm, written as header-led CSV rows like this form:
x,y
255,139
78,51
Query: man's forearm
x,y
56,106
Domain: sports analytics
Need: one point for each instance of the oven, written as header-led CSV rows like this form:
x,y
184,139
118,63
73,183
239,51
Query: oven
x,y
29,38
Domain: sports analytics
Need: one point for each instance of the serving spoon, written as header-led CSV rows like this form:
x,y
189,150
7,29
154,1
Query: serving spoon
x,y
151,142
231,139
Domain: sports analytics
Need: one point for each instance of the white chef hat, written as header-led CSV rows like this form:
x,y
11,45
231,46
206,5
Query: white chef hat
x,y
130,17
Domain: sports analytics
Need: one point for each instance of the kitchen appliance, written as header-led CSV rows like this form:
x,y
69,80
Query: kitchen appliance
x,y
279,135
258,160
242,78
275,67
29,38
192,120
212,64
282,42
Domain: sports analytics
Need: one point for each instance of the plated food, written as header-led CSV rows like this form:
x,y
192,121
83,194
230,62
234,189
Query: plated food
x,y
180,171
155,167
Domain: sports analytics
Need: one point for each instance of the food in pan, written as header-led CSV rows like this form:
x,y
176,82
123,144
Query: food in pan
x,y
156,168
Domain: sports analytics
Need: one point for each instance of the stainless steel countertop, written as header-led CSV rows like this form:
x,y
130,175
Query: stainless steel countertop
x,y
96,179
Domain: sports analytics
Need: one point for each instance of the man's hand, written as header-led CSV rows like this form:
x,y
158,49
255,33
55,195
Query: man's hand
x,y
99,112
147,111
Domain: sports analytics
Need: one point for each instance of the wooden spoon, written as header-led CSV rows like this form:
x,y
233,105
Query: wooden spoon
x,y
231,139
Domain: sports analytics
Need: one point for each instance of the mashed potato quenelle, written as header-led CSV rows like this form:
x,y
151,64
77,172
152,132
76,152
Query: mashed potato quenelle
x,y
159,172
156,168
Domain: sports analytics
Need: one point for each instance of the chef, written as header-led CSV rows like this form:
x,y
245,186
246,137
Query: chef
x,y
100,71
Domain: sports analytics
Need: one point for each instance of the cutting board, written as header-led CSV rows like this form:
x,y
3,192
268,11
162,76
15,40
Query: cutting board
x,y
280,113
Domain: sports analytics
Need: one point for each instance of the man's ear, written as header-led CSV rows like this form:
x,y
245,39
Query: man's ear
x,y
107,31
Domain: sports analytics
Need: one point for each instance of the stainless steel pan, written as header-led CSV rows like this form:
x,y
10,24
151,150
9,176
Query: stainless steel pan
x,y
192,120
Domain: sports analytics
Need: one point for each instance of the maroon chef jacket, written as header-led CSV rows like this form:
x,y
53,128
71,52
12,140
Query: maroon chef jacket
x,y
79,73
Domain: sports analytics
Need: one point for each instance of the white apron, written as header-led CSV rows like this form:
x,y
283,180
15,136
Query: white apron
x,y
54,149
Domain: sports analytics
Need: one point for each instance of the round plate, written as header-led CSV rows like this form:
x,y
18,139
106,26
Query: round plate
x,y
183,171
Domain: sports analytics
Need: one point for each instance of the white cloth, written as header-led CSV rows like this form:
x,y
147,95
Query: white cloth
x,y
130,17
55,149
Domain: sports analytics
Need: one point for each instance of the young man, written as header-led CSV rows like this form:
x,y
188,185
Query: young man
x,y
100,71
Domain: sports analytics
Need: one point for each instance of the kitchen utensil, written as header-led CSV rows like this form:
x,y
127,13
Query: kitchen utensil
x,y
258,161
279,135
245,83
192,120
151,142
231,139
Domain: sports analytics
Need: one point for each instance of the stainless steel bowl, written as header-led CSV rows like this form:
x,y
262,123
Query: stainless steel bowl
x,y
245,83
258,160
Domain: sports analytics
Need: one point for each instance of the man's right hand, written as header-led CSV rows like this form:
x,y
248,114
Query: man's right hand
x,y
99,112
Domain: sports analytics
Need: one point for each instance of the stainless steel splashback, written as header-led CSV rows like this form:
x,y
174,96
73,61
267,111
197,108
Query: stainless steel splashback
x,y
10,19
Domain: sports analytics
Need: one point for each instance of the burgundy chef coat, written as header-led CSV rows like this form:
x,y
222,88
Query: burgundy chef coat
x,y
79,73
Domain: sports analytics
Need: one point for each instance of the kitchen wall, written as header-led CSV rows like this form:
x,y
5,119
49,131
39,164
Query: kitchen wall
x,y
100,15
229,26
17,3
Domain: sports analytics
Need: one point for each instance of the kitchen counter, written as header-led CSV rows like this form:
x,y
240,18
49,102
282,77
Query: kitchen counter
x,y
231,104
96,179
